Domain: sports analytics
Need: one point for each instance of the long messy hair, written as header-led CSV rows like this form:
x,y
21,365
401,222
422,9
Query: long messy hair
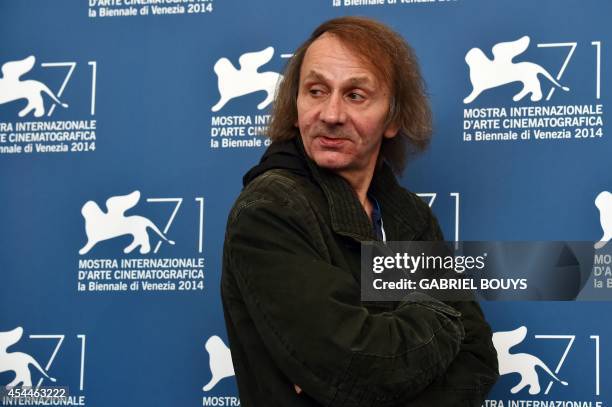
x,y
389,56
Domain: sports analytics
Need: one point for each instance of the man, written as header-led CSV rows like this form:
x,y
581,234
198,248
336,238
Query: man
x,y
350,107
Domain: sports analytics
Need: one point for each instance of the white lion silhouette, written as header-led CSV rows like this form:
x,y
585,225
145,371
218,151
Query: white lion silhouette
x,y
101,226
17,362
234,82
521,363
12,88
220,361
487,74
603,202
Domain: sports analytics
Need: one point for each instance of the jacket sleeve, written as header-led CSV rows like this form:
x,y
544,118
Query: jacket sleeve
x,y
310,318
474,371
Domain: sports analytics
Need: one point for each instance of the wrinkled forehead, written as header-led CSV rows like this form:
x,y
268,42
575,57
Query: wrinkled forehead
x,y
374,67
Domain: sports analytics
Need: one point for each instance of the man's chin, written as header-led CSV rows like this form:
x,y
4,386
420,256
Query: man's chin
x,y
331,162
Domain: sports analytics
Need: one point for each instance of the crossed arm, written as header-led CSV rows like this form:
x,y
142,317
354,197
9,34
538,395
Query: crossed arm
x,y
310,318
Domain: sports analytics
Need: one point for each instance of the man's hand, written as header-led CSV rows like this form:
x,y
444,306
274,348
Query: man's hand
x,y
297,388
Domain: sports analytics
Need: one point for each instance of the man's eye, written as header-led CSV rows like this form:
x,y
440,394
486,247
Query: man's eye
x,y
355,96
315,91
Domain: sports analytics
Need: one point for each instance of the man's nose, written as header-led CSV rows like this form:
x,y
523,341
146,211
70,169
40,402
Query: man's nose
x,y
333,110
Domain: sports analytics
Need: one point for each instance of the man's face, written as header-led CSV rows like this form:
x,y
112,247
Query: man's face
x,y
342,107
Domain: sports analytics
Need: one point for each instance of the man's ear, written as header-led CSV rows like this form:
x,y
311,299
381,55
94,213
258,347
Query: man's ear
x,y
391,130
393,127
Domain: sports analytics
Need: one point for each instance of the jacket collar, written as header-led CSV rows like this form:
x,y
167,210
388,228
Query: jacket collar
x,y
402,218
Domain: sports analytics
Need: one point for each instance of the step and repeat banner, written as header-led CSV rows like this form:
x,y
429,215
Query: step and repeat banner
x,y
126,127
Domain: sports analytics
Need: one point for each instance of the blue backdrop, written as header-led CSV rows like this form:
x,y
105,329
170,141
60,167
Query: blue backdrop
x,y
167,98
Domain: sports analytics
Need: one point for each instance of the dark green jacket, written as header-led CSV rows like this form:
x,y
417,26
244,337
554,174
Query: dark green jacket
x,y
291,298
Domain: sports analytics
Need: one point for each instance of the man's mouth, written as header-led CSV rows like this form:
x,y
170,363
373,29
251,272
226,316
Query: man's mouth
x,y
331,141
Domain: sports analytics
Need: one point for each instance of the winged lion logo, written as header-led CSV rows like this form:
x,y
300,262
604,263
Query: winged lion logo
x,y
488,74
13,88
100,226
